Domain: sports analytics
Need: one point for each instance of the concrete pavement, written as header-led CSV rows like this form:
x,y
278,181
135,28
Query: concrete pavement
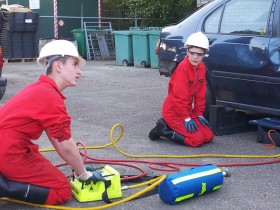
x,y
108,94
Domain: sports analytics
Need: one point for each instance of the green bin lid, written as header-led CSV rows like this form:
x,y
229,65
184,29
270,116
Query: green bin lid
x,y
134,28
126,32
141,32
78,30
153,28
155,32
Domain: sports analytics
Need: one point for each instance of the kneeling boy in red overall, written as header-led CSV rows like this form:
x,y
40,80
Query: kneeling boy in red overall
x,y
183,108
24,173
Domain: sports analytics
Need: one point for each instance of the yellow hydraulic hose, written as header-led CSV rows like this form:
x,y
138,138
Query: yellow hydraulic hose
x,y
113,143
154,182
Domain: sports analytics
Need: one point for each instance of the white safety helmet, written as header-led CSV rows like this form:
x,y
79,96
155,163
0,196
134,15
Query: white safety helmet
x,y
197,40
56,49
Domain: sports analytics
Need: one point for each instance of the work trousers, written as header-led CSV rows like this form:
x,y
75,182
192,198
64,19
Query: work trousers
x,y
203,134
21,161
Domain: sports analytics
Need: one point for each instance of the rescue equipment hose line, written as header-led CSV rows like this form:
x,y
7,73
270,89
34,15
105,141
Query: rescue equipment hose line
x,y
173,166
170,165
114,141
151,184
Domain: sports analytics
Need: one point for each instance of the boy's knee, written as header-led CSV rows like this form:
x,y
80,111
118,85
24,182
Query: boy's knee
x,y
59,195
209,137
193,142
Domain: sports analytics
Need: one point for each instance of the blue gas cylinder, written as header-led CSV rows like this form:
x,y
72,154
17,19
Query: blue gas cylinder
x,y
191,183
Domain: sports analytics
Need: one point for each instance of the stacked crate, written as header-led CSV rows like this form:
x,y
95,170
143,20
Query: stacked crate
x,y
18,34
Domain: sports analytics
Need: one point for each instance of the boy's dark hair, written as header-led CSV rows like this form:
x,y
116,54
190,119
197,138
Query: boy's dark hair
x,y
62,59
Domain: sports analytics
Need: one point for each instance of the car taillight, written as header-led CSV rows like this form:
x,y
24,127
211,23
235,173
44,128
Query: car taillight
x,y
157,48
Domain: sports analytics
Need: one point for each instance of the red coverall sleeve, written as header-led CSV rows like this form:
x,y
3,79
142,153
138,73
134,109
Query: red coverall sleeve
x,y
200,96
181,92
54,118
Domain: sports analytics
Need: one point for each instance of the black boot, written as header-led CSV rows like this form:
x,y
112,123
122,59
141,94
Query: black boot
x,y
23,191
162,129
173,136
157,131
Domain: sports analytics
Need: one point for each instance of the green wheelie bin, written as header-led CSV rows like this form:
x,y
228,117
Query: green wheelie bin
x,y
141,48
79,36
153,39
123,47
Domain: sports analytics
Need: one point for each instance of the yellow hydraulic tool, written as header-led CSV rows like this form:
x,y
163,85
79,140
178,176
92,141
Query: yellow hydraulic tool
x,y
100,190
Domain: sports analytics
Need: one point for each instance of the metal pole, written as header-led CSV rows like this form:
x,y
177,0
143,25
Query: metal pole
x,y
135,20
82,15
55,22
99,14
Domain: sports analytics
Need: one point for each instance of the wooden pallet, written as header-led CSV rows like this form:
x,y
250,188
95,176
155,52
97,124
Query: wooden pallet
x,y
8,60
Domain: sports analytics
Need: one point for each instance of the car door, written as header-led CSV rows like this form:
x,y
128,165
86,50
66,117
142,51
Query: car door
x,y
238,56
274,60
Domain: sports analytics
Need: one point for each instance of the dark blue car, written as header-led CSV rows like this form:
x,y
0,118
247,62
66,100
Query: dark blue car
x,y
243,66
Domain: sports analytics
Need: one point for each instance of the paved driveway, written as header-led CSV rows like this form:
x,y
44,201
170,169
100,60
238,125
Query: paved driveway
x,y
108,94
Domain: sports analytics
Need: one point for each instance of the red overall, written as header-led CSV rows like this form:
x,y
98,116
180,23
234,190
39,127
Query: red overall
x,y
186,98
38,107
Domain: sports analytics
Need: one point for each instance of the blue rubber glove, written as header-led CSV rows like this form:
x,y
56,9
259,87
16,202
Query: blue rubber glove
x,y
88,176
90,168
203,121
190,125
96,176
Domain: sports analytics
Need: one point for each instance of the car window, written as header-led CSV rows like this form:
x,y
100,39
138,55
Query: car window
x,y
246,17
211,24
